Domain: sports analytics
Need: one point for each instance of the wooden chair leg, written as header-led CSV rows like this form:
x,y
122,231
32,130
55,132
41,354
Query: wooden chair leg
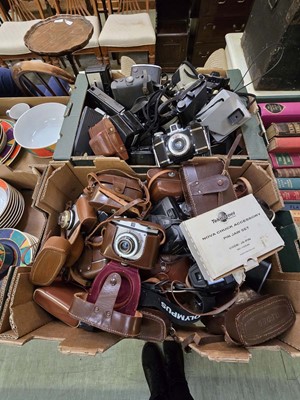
x,y
105,55
152,55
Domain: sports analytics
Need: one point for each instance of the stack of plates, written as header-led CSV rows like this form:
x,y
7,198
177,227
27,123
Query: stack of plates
x,y
23,244
9,149
12,205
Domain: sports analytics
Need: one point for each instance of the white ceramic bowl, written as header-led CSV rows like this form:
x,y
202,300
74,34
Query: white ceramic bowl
x,y
37,130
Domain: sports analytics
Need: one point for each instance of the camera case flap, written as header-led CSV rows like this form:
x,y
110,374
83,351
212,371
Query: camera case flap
x,y
102,314
115,190
127,90
81,213
206,186
164,182
106,141
132,242
128,296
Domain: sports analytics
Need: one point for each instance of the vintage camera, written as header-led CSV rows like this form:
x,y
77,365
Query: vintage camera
x,y
99,75
191,101
197,280
127,90
79,213
180,144
169,215
141,156
131,242
154,71
216,82
128,126
97,98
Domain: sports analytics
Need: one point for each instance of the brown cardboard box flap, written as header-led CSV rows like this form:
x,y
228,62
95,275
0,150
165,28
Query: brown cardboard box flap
x,y
222,352
292,337
22,314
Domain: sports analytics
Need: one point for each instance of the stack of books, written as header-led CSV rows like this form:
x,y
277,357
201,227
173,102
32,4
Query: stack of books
x,y
284,153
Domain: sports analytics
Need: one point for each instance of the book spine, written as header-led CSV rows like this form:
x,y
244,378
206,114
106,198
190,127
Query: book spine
x,y
287,173
283,129
284,145
291,206
285,160
290,195
288,183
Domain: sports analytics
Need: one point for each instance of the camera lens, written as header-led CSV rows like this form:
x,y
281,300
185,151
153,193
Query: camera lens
x,y
126,245
66,219
179,144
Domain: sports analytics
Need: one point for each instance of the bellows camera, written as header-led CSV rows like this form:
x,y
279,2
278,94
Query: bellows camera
x,y
180,144
131,242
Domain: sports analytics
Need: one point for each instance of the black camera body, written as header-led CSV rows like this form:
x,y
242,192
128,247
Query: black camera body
x,y
180,144
127,90
198,282
128,127
99,75
216,82
97,98
191,101
169,215
142,155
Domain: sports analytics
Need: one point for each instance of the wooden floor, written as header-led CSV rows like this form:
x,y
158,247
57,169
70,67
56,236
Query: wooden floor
x,y
38,371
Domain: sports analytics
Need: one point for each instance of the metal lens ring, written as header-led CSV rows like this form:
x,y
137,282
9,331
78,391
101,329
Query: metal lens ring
x,y
126,245
179,144
66,219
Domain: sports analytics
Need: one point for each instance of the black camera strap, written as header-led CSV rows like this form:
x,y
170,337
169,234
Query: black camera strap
x,y
151,297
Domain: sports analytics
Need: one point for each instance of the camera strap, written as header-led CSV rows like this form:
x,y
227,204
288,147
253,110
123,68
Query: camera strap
x,y
152,297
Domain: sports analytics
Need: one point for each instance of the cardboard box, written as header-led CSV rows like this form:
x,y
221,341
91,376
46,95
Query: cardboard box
x,y
253,130
25,174
62,182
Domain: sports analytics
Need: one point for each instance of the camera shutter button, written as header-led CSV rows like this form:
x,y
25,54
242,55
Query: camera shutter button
x,y
181,105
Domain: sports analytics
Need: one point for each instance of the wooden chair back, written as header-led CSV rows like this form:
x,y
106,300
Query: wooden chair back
x,y
128,6
36,78
80,7
20,11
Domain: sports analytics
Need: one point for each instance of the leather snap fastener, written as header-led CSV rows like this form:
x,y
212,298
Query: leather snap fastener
x,y
171,174
107,314
220,182
163,268
113,281
96,309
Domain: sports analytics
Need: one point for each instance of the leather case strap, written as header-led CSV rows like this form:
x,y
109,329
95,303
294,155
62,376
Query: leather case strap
x,y
129,292
102,314
155,326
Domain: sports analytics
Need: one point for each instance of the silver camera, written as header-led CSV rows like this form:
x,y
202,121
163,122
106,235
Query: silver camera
x,y
130,239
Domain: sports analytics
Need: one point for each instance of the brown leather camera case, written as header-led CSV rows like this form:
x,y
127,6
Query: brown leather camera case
x,y
106,141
